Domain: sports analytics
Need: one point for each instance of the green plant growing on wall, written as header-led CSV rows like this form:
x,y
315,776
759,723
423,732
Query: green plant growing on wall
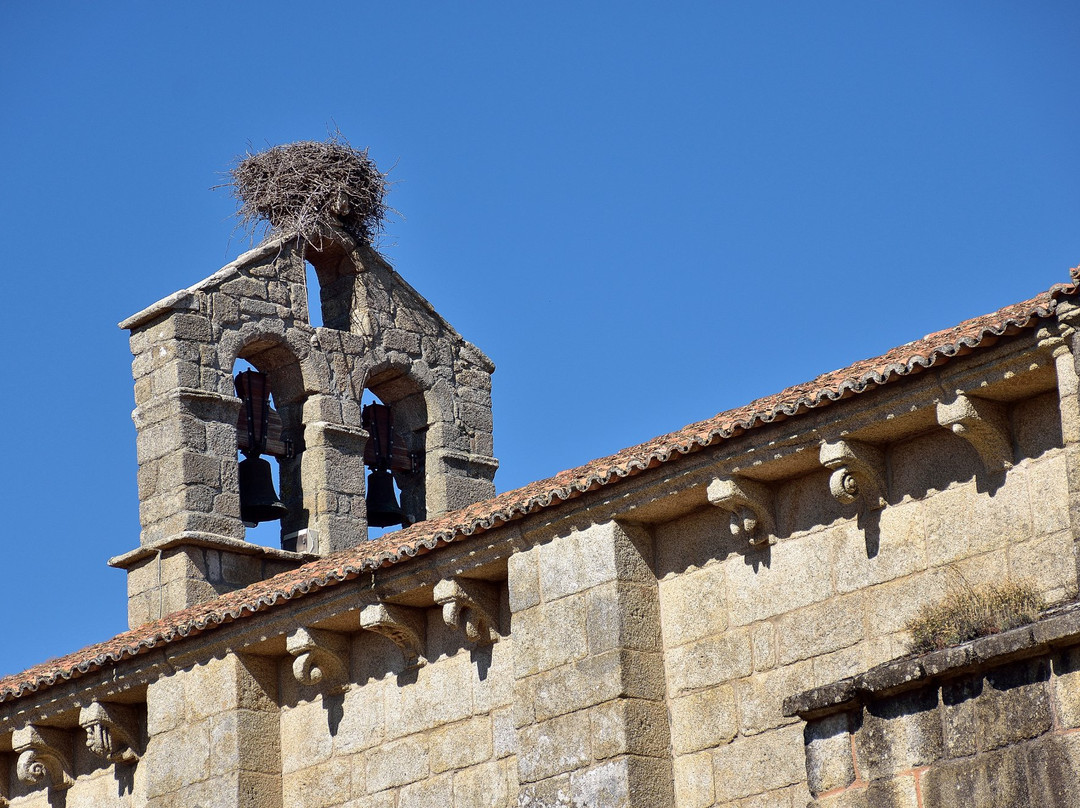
x,y
970,612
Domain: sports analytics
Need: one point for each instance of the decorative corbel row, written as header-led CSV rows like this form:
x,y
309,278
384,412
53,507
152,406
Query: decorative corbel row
x,y
983,424
858,472
471,606
750,506
403,625
45,753
321,657
112,731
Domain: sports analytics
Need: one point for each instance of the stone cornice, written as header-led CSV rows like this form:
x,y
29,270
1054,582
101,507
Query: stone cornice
x,y
1057,629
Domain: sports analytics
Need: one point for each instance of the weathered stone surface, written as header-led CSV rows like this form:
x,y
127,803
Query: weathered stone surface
x,y
1014,705
798,575
490,785
761,696
327,784
899,734
1054,771
523,580
694,605
827,698
819,629
758,764
622,782
693,776
704,719
535,628
709,662
553,747
829,761
998,780
456,746
397,764
623,615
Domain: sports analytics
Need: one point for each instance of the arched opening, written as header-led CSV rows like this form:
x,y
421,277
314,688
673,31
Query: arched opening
x,y
281,445
408,427
273,449
314,296
331,280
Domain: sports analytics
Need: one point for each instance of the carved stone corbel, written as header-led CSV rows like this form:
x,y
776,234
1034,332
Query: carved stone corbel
x,y
1058,339
1068,317
983,424
858,472
45,753
112,731
403,625
750,506
470,606
321,657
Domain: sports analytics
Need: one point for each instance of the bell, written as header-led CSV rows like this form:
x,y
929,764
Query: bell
x,y
382,505
258,500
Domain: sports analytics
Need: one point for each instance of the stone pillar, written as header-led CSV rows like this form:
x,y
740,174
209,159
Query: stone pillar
x,y
590,705
456,479
214,736
332,476
1063,343
186,447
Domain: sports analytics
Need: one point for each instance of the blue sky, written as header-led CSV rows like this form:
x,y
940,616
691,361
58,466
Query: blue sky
x,y
644,214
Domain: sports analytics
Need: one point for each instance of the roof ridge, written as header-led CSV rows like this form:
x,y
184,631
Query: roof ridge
x,y
422,537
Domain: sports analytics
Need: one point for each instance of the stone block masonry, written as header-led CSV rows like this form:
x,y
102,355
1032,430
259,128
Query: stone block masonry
x,y
381,336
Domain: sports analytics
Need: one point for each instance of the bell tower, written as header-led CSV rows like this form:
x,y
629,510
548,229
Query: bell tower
x,y
432,434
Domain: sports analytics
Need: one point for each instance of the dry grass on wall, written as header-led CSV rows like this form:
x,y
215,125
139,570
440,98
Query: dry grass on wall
x,y
970,612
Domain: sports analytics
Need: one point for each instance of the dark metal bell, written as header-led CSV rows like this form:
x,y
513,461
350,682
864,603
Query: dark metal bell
x,y
258,500
382,505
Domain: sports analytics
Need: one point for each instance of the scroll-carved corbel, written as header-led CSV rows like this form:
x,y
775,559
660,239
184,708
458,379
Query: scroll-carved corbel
x,y
45,754
984,425
470,606
750,506
858,472
321,657
403,625
112,731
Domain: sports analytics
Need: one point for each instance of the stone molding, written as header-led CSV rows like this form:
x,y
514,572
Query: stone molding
x,y
321,657
1059,629
45,753
984,425
112,731
858,472
470,606
750,506
402,625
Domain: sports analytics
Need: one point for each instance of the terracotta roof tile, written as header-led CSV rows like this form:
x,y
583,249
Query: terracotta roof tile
x,y
905,360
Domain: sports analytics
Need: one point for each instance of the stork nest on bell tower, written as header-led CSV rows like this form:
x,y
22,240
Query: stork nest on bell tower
x,y
310,187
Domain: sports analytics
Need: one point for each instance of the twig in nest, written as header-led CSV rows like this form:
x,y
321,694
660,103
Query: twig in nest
x,y
309,187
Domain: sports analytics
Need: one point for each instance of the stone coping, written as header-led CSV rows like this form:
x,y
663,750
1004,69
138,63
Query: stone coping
x,y
185,298
195,538
1059,627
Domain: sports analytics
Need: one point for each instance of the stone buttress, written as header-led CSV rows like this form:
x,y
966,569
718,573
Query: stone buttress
x,y
379,334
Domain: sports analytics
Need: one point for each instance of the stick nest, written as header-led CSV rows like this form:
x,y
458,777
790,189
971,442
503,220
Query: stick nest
x,y
310,187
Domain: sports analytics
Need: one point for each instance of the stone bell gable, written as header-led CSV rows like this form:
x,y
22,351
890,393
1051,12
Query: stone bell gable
x,y
379,334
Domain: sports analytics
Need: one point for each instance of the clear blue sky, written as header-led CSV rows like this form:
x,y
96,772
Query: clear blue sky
x,y
644,213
